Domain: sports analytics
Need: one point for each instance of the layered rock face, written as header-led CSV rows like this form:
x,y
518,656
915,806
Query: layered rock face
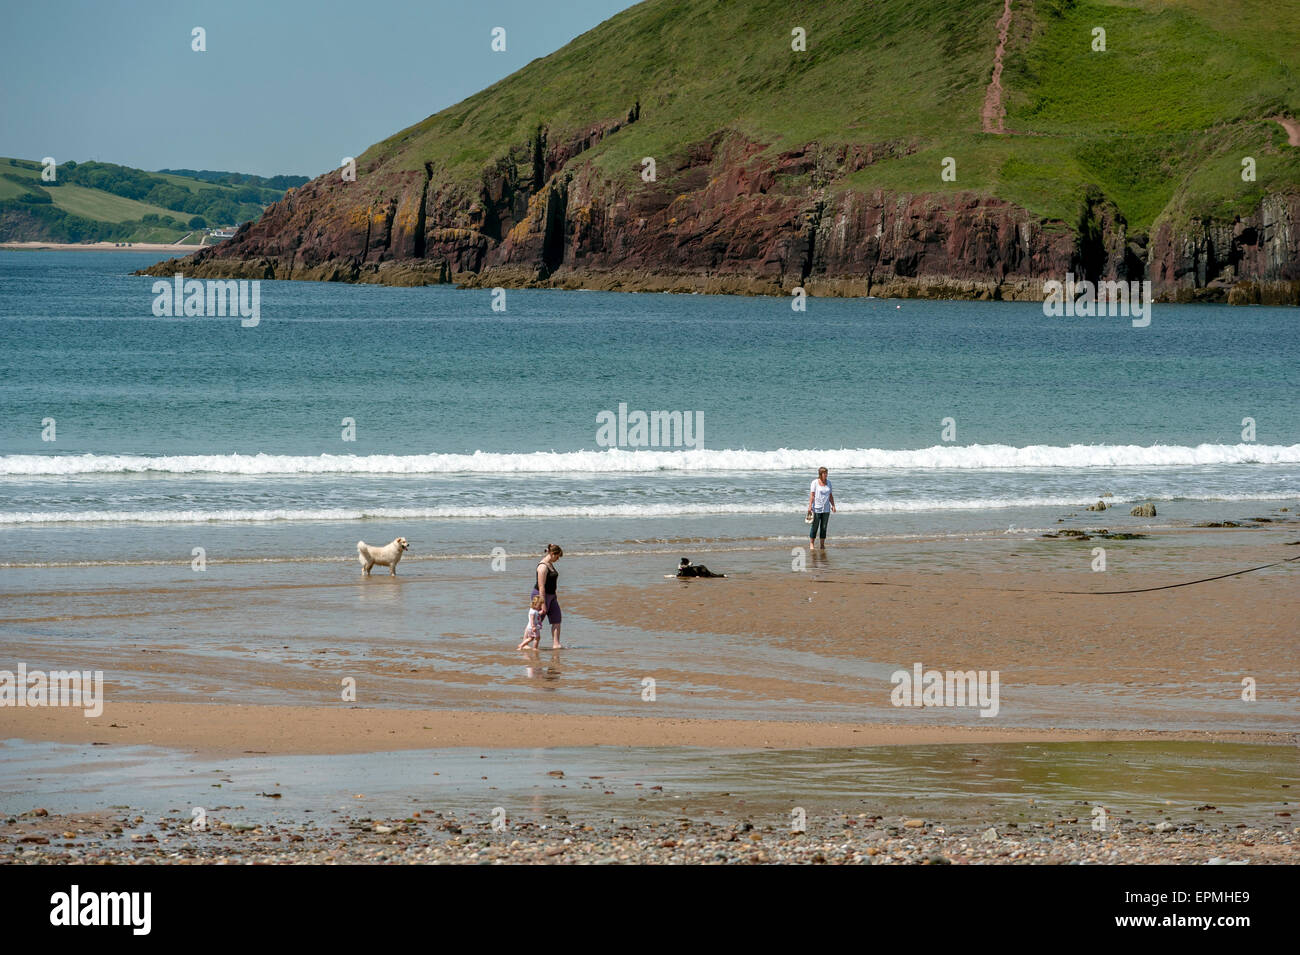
x,y
731,217
1252,259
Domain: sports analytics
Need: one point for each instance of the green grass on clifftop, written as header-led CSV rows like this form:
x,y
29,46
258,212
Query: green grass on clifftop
x,y
1159,121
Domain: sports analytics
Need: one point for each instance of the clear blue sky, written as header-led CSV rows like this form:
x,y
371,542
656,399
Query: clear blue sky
x,y
286,86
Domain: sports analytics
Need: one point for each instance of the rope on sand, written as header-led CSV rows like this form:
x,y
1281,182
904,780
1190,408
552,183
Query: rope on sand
x,y
1203,580
1088,593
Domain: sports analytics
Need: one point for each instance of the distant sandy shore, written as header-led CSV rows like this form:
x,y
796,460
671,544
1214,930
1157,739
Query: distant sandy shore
x,y
225,729
97,247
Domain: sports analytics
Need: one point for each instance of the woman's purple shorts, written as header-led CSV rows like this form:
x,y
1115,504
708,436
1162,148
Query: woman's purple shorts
x,y
552,607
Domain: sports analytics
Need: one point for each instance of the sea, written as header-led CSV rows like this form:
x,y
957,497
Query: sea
x,y
363,412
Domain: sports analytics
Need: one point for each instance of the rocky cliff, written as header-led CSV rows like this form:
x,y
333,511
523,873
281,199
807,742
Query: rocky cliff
x,y
568,205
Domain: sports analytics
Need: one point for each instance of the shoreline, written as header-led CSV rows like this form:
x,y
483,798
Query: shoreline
x,y
96,247
940,804
408,273
233,729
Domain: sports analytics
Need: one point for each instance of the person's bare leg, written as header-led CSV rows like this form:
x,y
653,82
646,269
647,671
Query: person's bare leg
x,y
555,637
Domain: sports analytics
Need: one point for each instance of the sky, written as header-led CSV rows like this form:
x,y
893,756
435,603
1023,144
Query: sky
x,y
284,86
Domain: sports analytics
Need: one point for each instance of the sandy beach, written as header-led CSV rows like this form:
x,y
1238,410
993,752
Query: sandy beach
x,y
232,730
816,647
1051,627
173,249
735,662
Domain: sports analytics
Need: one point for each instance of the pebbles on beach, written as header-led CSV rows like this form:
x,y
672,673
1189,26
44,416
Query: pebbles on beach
x,y
434,838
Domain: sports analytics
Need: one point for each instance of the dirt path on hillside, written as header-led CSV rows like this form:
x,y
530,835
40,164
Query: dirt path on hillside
x,y
993,113
1290,125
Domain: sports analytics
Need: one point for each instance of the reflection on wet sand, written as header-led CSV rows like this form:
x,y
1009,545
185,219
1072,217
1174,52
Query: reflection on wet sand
x,y
544,675
1186,782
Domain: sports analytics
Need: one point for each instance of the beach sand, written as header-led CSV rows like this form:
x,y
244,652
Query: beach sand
x,y
231,730
1033,626
98,247
244,664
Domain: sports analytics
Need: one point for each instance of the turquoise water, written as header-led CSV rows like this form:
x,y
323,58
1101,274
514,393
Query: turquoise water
x,y
471,425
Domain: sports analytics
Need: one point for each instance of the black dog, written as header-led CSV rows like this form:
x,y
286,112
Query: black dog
x,y
687,569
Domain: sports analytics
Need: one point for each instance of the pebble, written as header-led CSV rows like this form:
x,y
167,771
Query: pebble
x,y
601,841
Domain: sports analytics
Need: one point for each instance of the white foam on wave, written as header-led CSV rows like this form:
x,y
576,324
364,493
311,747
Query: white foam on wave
x,y
551,512
614,460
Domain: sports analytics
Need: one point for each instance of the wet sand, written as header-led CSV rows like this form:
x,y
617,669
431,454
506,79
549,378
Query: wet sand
x,y
234,730
1045,626
1113,802
817,646
243,664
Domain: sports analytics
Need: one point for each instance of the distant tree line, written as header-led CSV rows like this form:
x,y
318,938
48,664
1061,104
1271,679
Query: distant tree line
x,y
232,198
280,183
220,203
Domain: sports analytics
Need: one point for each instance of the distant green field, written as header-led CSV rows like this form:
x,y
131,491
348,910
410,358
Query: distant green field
x,y
105,202
94,204
10,189
193,185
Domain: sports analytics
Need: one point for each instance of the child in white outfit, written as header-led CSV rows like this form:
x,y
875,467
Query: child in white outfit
x,y
533,632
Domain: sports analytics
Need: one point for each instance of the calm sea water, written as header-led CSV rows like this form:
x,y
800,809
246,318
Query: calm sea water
x,y
475,428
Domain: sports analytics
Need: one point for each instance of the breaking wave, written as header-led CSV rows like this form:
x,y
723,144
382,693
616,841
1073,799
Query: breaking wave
x,y
938,458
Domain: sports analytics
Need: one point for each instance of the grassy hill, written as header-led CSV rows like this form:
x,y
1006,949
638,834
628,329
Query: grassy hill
x,y
825,166
93,201
1159,121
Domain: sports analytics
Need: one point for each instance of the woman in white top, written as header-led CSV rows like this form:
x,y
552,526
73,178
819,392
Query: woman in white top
x,y
821,502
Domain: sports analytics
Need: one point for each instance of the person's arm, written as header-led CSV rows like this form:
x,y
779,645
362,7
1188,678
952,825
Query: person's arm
x,y
831,495
811,494
541,578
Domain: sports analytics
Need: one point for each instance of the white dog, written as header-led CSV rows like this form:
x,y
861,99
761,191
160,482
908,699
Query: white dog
x,y
386,556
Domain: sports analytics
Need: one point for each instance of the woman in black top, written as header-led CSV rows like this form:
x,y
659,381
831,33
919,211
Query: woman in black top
x,y
547,579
